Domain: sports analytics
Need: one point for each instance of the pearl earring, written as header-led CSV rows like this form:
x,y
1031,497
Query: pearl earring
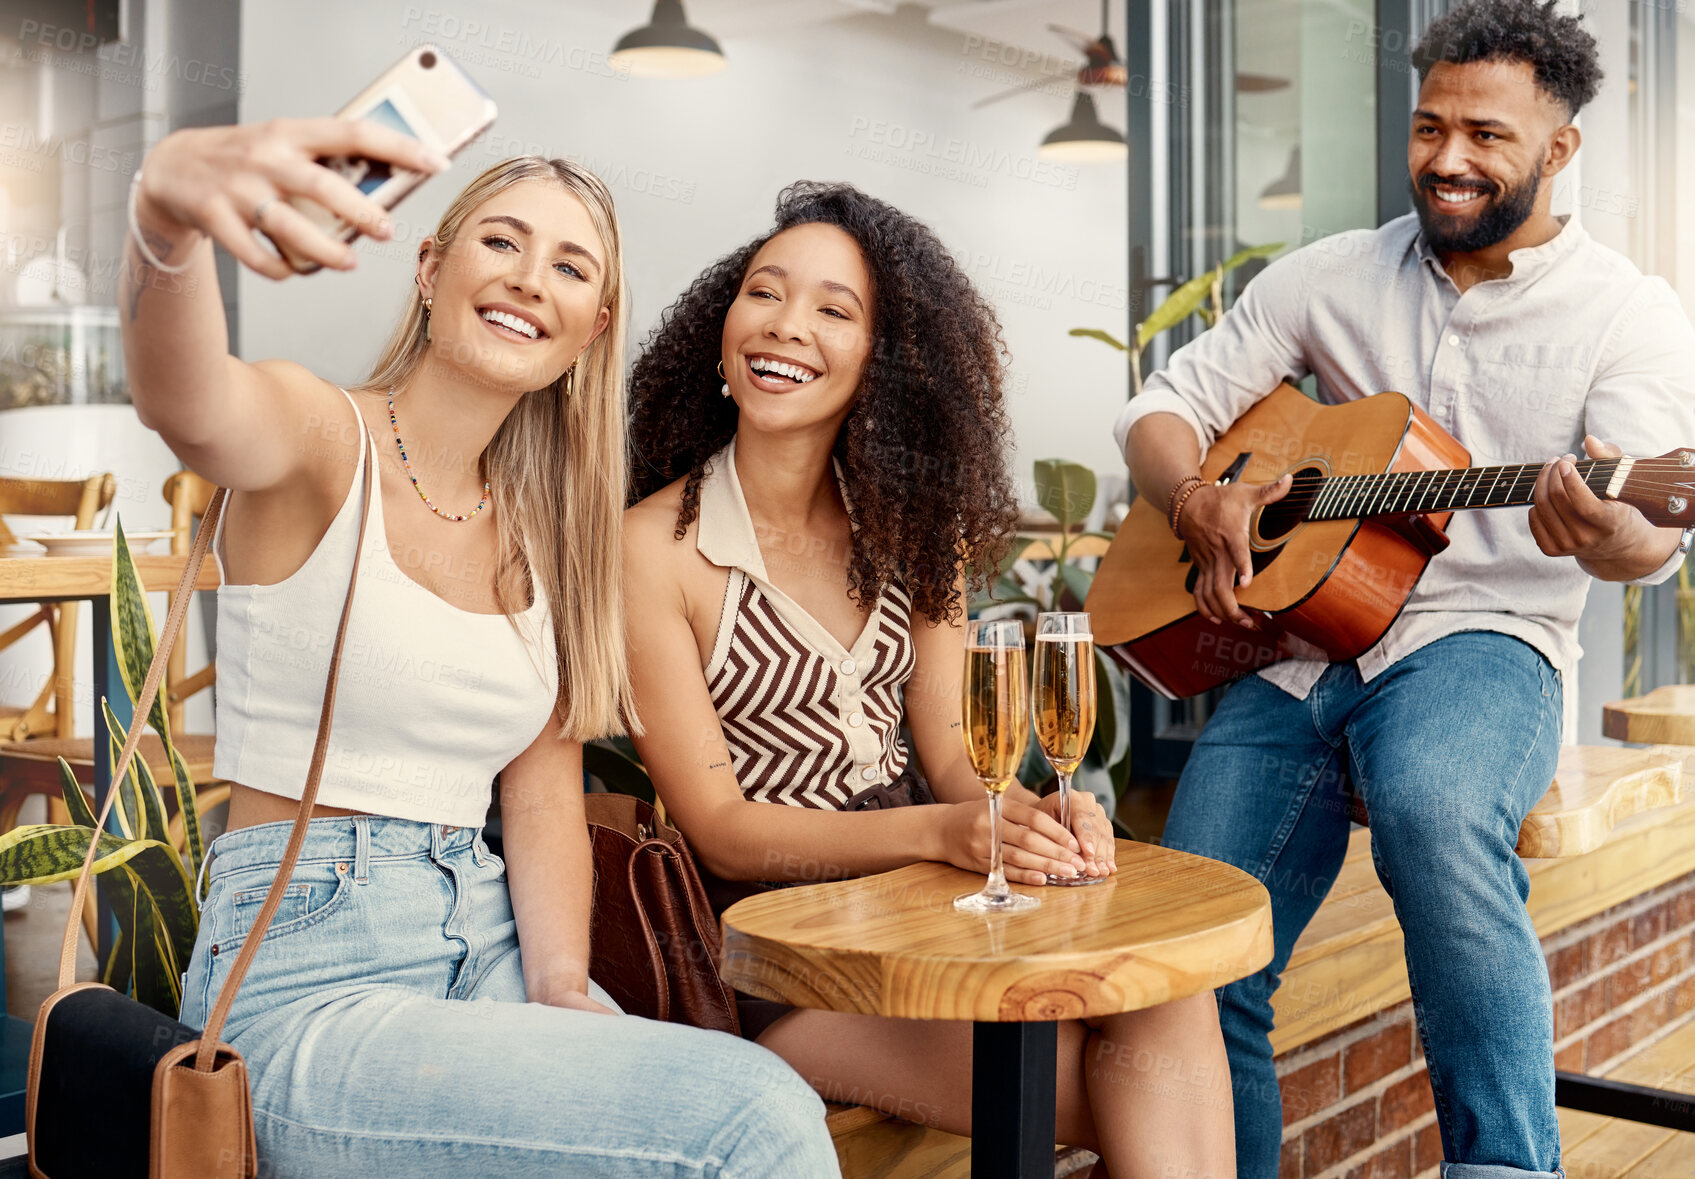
x,y
724,389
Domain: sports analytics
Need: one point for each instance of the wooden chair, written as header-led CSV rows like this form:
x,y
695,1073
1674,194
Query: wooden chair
x,y
32,766
79,499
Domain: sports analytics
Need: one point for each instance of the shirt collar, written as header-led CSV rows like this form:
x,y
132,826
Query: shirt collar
x,y
725,535
1528,263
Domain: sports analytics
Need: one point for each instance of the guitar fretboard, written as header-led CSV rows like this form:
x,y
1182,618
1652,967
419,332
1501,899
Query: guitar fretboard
x,y
1344,497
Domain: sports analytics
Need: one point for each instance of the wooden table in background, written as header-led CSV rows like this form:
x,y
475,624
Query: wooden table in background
x,y
1167,925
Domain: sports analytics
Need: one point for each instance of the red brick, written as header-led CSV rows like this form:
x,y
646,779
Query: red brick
x,y
1668,961
1427,1148
1570,1058
1340,1137
1406,1101
1609,1041
1568,965
1580,1009
1308,1090
1683,909
1608,946
1649,1018
1376,1056
1289,1162
1394,1163
1683,999
1647,926
1627,982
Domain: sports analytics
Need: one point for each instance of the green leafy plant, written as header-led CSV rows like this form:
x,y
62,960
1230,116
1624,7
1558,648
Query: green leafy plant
x,y
1202,295
1068,490
150,884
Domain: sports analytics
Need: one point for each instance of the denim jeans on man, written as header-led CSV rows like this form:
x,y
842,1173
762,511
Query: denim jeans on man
x,y
386,1031
1448,748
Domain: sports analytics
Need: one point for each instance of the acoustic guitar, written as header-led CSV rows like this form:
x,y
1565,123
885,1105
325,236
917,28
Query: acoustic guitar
x,y
1375,482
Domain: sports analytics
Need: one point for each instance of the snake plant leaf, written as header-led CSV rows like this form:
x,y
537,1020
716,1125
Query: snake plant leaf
x,y
44,853
82,812
1103,337
133,630
616,772
188,806
121,964
139,790
1066,489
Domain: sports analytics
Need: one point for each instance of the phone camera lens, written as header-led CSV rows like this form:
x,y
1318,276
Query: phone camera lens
x,y
427,60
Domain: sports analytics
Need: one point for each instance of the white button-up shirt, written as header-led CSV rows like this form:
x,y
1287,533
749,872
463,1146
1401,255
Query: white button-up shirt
x,y
1575,340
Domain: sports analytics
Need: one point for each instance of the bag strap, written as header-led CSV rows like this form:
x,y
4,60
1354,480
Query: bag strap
x,y
149,690
209,1035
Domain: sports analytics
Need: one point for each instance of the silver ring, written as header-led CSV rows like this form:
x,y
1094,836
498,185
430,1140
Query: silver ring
x,y
259,213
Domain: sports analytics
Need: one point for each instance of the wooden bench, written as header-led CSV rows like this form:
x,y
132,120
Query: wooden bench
x,y
1594,1147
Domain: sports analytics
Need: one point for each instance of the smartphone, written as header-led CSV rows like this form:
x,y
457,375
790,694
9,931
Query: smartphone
x,y
426,95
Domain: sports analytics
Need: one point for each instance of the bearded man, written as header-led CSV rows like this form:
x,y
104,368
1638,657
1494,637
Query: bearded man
x,y
1525,339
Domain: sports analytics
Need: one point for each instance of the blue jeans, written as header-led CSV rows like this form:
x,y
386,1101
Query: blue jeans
x,y
1449,748
386,1031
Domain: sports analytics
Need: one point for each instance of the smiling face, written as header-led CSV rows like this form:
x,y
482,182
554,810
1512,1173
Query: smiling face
x,y
517,295
798,333
1483,139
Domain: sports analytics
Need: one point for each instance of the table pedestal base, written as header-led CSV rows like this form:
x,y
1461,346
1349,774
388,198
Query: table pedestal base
x,y
1012,1100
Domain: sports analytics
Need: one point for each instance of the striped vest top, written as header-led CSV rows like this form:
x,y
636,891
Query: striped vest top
x,y
808,721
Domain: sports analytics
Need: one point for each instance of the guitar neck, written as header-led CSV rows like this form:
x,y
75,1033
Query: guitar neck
x,y
1402,492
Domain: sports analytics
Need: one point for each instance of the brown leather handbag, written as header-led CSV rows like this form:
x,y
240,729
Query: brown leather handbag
x,y
117,1090
653,942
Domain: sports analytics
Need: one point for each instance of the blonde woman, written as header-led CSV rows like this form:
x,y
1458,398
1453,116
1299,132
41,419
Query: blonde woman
x,y
418,1006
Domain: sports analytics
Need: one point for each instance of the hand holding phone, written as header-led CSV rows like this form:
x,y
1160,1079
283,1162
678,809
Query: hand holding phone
x,y
313,185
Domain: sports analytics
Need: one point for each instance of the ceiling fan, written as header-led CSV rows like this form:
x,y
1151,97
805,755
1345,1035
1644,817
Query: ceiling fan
x,y
1102,67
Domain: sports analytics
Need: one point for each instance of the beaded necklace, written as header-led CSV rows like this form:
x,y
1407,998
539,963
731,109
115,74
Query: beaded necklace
x,y
405,463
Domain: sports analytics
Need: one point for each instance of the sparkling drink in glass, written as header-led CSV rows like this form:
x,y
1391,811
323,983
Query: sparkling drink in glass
x,y
1063,702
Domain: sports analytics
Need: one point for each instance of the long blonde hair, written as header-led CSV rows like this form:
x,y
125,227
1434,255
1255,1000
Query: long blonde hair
x,y
556,469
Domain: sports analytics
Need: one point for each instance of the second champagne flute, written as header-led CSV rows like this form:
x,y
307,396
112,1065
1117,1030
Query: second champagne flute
x,y
1064,706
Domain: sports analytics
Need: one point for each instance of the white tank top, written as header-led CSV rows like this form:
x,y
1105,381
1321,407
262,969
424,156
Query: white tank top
x,y
433,701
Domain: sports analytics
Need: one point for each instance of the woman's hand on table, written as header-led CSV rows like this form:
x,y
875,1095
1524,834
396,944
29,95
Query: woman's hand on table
x,y
1033,844
225,182
1091,828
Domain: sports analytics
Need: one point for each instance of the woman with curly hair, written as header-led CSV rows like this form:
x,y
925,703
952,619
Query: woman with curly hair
x,y
818,431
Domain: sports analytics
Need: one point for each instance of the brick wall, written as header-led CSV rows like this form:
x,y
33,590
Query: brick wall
x,y
1357,1103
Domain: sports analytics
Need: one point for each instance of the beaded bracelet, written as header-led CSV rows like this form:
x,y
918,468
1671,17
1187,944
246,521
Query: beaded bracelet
x,y
1177,510
141,242
1180,485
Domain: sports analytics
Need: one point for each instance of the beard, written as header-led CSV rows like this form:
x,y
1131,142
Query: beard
x,y
1496,220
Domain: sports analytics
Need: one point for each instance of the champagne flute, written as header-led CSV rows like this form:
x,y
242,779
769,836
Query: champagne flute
x,y
1064,705
997,730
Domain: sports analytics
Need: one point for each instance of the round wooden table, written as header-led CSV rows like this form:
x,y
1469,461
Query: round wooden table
x,y
1168,924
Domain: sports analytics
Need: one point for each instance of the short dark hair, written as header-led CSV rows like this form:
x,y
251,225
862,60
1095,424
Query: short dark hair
x,y
1558,48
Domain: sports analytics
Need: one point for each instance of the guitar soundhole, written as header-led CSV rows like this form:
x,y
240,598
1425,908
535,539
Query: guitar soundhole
x,y
1277,520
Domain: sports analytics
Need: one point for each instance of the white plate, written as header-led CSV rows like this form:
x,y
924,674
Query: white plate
x,y
94,544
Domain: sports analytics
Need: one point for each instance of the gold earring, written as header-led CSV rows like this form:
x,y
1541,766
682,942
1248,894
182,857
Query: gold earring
x,y
571,379
428,304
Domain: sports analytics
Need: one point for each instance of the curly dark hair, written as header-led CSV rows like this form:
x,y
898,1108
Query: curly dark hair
x,y
923,448
1558,48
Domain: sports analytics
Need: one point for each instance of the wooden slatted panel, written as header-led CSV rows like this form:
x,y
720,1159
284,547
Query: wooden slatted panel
x,y
1607,1148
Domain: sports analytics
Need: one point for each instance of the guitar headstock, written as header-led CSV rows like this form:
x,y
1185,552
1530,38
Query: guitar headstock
x,y
1662,488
